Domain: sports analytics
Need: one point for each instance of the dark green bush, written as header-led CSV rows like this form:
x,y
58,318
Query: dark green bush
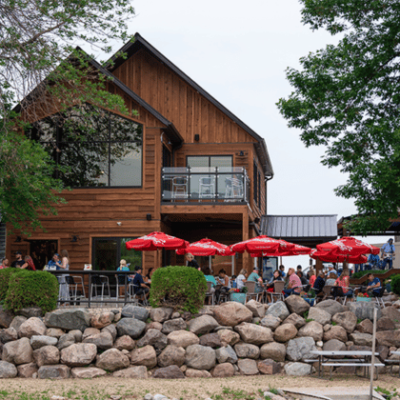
x,y
4,281
360,274
395,284
182,288
32,288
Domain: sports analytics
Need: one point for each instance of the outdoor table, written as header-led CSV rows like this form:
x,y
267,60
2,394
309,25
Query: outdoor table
x,y
326,358
394,353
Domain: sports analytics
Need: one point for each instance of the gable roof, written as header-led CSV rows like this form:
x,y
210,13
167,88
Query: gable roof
x,y
139,43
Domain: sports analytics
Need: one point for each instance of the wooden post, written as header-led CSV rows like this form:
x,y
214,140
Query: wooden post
x,y
318,266
245,236
372,372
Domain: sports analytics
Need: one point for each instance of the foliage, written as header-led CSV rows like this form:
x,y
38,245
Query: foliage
x,y
395,284
42,72
360,274
346,98
32,288
182,288
5,275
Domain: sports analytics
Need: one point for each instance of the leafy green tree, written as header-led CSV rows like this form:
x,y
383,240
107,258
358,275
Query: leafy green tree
x,y
42,72
347,98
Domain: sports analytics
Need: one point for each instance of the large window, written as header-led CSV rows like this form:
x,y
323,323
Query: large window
x,y
92,147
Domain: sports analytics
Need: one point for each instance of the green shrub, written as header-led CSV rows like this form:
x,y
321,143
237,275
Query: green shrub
x,y
360,274
4,281
182,288
395,284
32,288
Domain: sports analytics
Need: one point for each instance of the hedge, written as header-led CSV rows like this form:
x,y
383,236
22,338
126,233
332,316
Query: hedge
x,y
395,284
5,275
182,288
32,288
360,274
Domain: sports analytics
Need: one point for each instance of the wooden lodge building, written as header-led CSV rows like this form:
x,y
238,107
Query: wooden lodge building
x,y
184,165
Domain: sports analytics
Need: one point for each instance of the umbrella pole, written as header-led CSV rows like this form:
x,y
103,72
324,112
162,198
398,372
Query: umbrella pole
x,y
209,263
233,265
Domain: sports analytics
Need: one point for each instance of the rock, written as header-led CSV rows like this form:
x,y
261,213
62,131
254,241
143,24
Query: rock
x,y
154,338
312,329
384,338
347,320
269,367
295,320
154,325
300,349
139,313
111,360
182,339
18,352
7,370
363,310
8,335
298,369
29,312
285,332
79,354
246,350
87,373
296,304
112,330
203,324
130,326
54,372
175,314
6,317
139,372
55,332
17,322
200,357
271,322
247,367
210,340
65,341
172,325
336,332
102,340
274,351
256,308
76,318
46,355
228,337
89,332
334,345
254,334
171,372
319,315
27,370
226,354
223,370
160,314
331,306
145,356
365,326
195,373
232,313
389,312
40,341
385,324
125,343
172,355
102,320
361,339
279,310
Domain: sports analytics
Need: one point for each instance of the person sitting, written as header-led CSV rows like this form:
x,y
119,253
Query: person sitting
x,y
294,284
254,277
331,279
319,284
374,285
19,262
191,261
148,276
209,278
282,270
225,283
312,277
333,271
303,279
29,264
270,284
241,278
341,286
140,289
121,278
4,263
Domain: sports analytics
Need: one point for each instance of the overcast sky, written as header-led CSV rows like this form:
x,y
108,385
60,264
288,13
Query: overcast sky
x,y
238,51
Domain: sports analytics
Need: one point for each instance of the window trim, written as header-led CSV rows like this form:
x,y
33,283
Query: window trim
x,y
209,158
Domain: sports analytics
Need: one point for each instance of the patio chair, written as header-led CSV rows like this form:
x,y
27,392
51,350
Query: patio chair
x,y
251,290
180,187
278,288
327,292
378,297
206,187
210,292
79,282
133,297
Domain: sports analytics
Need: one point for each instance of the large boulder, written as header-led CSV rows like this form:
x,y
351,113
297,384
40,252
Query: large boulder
x,y
6,317
29,312
203,324
211,340
336,332
298,369
32,326
103,340
387,338
79,354
100,321
200,357
285,332
145,356
112,360
227,336
7,370
269,367
319,315
177,324
111,329
171,372
364,310
154,338
248,367
18,352
40,341
65,341
125,343
161,314
57,333
256,308
89,332
232,313
390,312
347,319
295,320
172,355
182,339
246,350
46,355
130,326
224,370
87,373
334,345
361,339
296,304
312,329
274,351
226,354
331,306
130,311
27,370
8,335
365,326
254,334
385,324
279,310
138,372
300,349
54,372
17,322
68,319
196,373
271,322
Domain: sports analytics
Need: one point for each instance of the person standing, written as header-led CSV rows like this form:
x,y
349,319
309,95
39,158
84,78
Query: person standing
x,y
29,264
387,253
19,261
192,262
64,265
282,269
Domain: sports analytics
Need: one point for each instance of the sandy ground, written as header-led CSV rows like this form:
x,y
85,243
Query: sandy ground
x,y
102,388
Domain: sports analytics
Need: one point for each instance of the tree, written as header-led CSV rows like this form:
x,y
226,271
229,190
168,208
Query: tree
x,y
347,98
43,73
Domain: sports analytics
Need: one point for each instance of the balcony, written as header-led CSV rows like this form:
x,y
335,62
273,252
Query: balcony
x,y
222,185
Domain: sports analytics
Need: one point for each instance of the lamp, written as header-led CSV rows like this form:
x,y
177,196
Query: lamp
x,y
256,220
18,239
75,238
196,137
241,154
148,217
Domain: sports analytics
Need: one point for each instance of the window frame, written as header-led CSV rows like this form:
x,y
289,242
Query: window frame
x,y
209,158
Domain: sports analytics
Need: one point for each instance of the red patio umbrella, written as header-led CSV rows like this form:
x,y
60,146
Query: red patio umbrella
x,y
206,247
297,250
347,246
262,244
328,257
154,241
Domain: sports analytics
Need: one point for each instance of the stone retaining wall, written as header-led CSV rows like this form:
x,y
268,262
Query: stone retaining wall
x,y
222,341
